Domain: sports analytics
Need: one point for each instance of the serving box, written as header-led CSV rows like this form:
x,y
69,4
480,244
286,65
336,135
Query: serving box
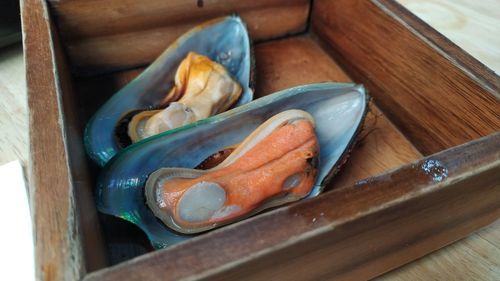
x,y
425,173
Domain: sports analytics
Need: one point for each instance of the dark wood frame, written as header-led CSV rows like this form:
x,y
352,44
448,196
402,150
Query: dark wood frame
x,y
356,239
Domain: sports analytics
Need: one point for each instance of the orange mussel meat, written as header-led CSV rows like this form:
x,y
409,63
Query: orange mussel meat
x,y
276,164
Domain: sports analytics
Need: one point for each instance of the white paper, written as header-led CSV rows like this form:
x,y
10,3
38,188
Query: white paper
x,y
16,236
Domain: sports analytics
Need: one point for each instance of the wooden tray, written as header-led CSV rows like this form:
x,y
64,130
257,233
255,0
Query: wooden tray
x,y
432,104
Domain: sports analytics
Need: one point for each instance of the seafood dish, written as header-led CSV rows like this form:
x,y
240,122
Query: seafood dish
x,y
204,72
271,151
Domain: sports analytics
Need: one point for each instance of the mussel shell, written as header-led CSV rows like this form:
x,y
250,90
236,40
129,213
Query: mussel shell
x,y
338,109
223,40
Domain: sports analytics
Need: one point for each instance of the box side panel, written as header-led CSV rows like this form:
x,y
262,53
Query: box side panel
x,y
375,226
59,237
437,95
81,169
58,255
116,34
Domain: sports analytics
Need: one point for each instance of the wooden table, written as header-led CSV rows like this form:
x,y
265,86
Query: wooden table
x,y
472,25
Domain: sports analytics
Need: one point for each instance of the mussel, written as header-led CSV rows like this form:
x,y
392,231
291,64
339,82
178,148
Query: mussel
x,y
224,40
338,111
275,164
202,88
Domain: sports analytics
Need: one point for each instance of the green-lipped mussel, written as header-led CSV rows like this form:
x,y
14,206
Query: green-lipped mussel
x,y
135,184
274,165
202,88
224,41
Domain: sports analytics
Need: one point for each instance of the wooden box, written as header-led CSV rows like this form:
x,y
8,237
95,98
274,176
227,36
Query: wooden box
x,y
426,173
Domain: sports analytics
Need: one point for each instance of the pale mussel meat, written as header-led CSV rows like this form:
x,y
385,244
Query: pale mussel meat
x,y
215,55
137,184
202,88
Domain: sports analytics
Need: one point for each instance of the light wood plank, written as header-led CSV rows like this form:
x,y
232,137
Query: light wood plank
x,y
473,258
492,235
13,106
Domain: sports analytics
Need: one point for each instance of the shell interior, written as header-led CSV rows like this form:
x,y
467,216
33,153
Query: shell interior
x,y
223,40
338,109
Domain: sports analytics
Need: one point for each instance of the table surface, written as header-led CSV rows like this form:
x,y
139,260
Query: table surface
x,y
473,25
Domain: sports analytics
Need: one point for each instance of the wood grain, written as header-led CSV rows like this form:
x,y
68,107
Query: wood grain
x,y
57,242
62,252
86,221
432,101
291,62
472,258
296,61
463,60
109,35
491,234
13,106
92,18
407,211
471,25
